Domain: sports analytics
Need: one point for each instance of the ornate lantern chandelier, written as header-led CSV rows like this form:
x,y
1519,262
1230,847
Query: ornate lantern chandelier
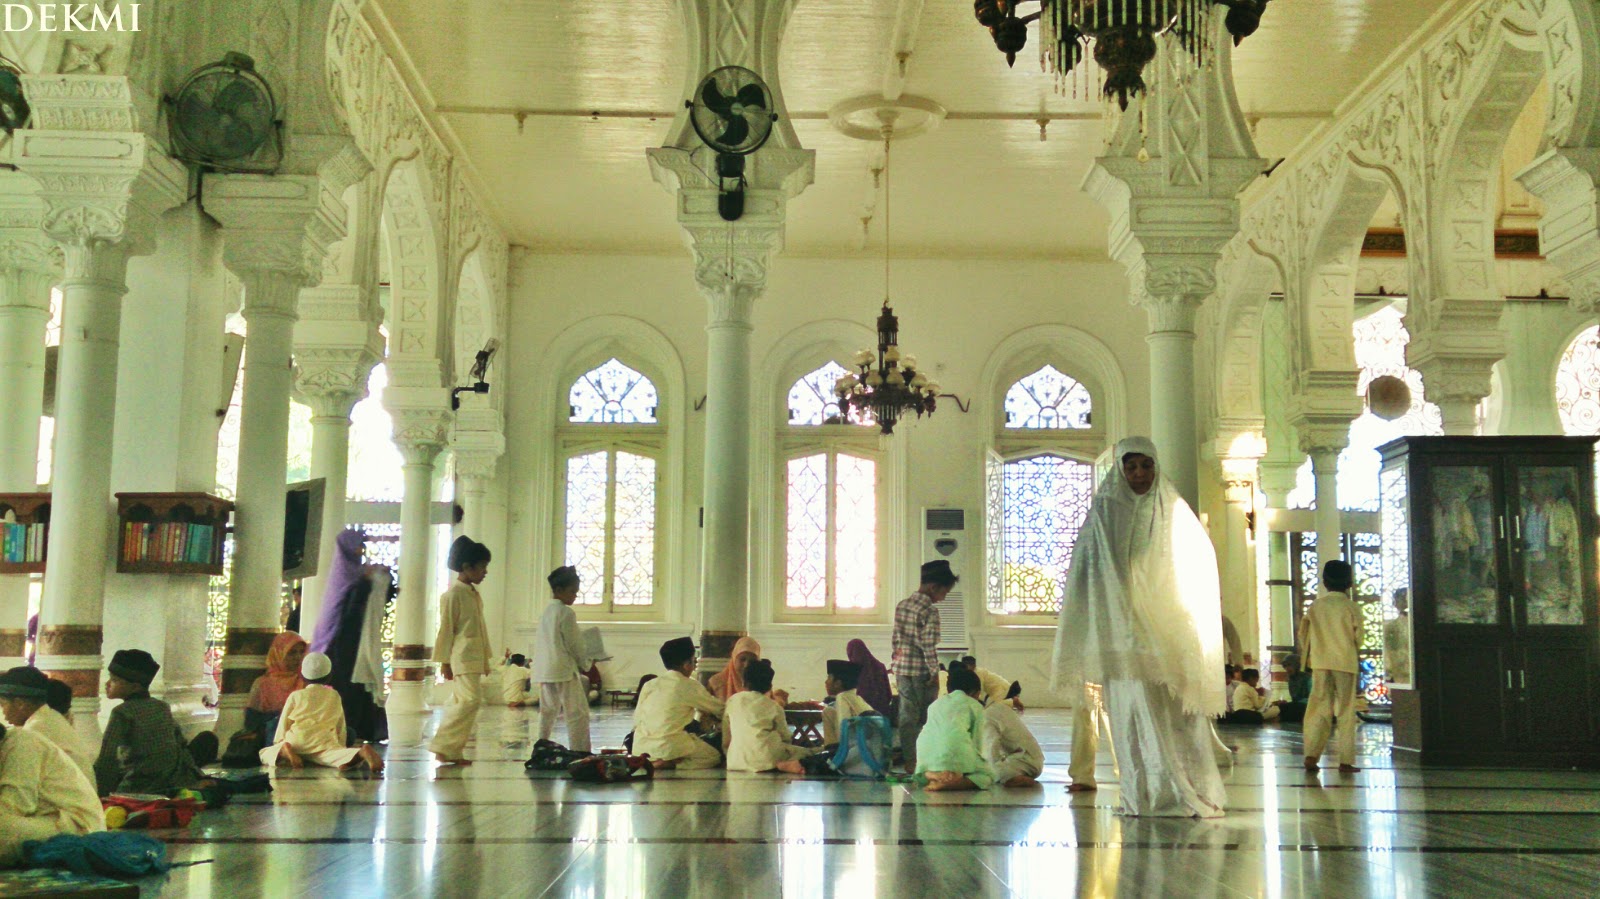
x,y
1123,31
889,386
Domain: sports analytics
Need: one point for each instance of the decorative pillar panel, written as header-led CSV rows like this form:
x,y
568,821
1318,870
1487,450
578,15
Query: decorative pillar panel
x,y
1174,206
1567,179
29,265
731,271
276,230
102,183
421,435
477,440
333,360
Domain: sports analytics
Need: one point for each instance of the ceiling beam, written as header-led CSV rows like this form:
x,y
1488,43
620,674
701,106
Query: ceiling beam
x,y
808,115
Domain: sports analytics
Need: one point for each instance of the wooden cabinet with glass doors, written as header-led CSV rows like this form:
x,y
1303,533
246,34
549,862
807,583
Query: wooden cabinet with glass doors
x,y
1493,541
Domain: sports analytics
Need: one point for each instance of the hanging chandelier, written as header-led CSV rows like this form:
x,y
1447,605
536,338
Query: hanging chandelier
x,y
889,386
1123,32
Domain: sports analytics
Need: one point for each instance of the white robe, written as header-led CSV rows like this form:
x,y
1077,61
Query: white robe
x,y
514,684
42,794
757,735
1008,744
1141,614
666,706
313,723
54,726
846,704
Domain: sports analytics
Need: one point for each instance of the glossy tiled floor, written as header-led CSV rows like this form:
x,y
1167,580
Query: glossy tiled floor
x,y
493,830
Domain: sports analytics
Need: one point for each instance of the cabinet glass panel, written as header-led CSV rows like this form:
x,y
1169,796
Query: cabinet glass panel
x,y
1395,550
1548,538
1465,588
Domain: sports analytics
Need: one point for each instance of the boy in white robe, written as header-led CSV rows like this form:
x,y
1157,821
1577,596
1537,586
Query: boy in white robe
x,y
42,794
558,662
667,705
25,694
755,732
311,728
514,681
1010,747
844,703
1250,705
462,650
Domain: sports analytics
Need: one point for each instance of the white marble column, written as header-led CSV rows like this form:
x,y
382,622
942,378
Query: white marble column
x,y
1172,392
29,265
275,232
477,440
420,437
1325,470
1277,480
330,460
725,571
1537,332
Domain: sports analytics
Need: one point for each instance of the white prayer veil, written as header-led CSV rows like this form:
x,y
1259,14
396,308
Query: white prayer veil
x,y
1141,598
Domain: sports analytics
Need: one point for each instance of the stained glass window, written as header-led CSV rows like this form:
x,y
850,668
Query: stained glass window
x,y
831,532
612,394
611,527
812,401
1047,399
1042,501
1578,385
1364,552
1380,349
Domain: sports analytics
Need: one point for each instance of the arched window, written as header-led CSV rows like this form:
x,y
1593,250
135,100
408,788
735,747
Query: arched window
x,y
611,446
831,500
1038,484
1578,385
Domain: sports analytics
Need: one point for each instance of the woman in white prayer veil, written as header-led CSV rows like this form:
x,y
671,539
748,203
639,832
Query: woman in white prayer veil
x,y
1141,615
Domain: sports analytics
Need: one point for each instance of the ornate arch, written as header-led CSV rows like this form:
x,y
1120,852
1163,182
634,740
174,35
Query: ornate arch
x,y
1076,353
415,272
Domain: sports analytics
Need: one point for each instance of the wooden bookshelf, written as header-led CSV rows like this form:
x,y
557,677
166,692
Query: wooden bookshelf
x,y
171,533
32,512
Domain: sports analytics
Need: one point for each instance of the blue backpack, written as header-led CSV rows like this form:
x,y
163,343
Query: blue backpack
x,y
112,852
864,742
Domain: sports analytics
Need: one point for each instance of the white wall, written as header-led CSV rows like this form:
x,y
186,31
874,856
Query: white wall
x,y
953,315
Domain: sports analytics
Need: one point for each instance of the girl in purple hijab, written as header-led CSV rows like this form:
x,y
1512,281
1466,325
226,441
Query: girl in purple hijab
x,y
874,683
350,632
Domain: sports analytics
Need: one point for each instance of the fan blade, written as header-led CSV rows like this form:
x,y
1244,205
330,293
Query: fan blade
x,y
238,138
715,101
235,95
753,95
738,130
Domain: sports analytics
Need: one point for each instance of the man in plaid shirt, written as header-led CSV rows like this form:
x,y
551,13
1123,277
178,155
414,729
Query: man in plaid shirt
x,y
916,663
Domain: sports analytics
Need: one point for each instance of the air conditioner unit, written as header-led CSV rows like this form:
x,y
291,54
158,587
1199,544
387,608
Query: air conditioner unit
x,y
944,536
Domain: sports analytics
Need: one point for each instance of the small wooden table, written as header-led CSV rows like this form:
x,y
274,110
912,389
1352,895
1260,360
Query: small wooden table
x,y
618,696
807,724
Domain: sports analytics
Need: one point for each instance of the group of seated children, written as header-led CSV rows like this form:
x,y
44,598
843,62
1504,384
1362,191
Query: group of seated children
x,y
1248,703
966,744
46,782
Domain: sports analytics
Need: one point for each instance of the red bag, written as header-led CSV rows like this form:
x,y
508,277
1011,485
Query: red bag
x,y
612,768
145,813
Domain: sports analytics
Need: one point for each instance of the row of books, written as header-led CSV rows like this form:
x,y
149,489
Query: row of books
x,y
23,542
172,541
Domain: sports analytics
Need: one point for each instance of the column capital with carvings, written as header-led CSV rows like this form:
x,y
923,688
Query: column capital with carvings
x,y
421,429
24,246
275,223
1322,407
1567,179
477,437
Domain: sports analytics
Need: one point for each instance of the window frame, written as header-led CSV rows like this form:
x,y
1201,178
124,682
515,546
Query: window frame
x,y
994,533
831,446
573,440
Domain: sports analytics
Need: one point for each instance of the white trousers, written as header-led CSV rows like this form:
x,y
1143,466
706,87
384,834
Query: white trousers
x,y
328,758
1333,696
569,698
460,717
1089,720
1015,765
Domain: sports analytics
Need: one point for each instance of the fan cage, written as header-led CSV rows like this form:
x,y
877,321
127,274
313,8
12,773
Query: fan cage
x,y
741,77
263,159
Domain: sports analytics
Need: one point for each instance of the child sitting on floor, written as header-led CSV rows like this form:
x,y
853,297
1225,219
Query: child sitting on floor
x,y
1010,747
142,750
1249,703
843,702
949,749
514,681
26,701
666,707
42,794
311,728
755,732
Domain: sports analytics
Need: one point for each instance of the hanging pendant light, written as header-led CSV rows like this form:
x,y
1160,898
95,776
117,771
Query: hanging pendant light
x,y
888,386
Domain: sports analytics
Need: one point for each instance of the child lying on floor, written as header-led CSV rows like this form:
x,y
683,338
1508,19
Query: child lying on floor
x,y
312,729
755,732
950,747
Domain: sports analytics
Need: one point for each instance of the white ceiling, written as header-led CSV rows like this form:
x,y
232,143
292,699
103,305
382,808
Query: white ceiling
x,y
974,187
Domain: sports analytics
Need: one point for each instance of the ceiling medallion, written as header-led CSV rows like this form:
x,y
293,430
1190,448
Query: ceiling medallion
x,y
1123,32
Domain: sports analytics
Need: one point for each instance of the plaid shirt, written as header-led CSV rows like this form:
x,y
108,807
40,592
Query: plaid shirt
x,y
916,637
143,751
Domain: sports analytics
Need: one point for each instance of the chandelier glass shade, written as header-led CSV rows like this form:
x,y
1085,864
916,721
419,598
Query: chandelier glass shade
x,y
1123,33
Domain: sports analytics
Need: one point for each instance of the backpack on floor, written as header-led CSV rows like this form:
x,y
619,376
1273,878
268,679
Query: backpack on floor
x,y
244,749
864,743
612,768
548,755
125,854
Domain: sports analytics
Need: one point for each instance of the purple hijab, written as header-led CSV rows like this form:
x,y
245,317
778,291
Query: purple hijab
x,y
874,683
344,573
